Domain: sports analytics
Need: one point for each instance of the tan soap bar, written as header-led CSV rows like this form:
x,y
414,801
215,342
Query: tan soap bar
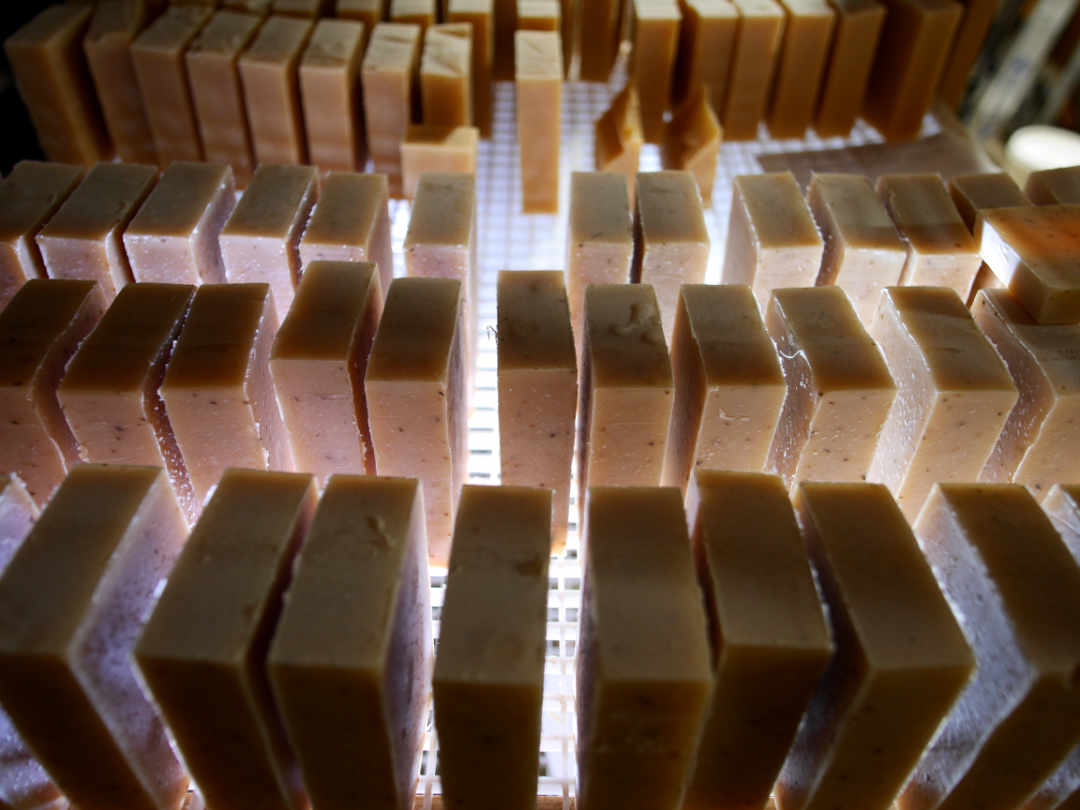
x,y
901,659
863,251
318,362
1018,605
260,240
706,41
1054,186
618,137
216,92
538,82
51,74
330,92
489,672
975,193
692,142
772,240
808,32
847,72
174,236
954,393
354,643
538,391
445,79
644,677
83,238
29,196
217,390
753,66
389,80
769,638
505,16
910,57
480,14
416,396
599,33
431,148
839,388
538,15
655,40
369,12
941,251
965,48
69,616
268,73
209,633
414,12
158,56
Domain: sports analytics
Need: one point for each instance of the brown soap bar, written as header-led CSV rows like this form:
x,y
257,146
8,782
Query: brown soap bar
x,y
538,391
1054,186
965,48
330,92
480,15
619,137
174,236
354,644
369,12
655,40
83,238
389,80
29,196
538,81
855,41
808,33
769,638
302,8
706,42
975,193
753,66
53,80
901,659
445,80
598,37
436,149
72,602
692,142
202,654
415,12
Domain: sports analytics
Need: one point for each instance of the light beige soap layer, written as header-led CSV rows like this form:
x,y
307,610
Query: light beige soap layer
x,y
692,142
707,34
654,38
330,95
537,15
975,193
445,79
480,15
369,12
808,32
753,66
436,149
1054,186
423,13
389,80
538,82
619,137
855,40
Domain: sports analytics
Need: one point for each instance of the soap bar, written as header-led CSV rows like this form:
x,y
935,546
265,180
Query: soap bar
x,y
330,92
40,329
489,672
619,137
839,388
174,236
505,14
706,42
436,149
414,12
217,389
692,142
538,15
388,76
66,677
268,73
941,251
598,37
1018,605
965,48
369,12
416,396
655,39
51,74
202,654
538,391
847,73
158,56
808,33
769,638
643,677
29,196
901,659
753,66
954,393
480,15
863,252
318,362
672,245
302,8
974,193
538,83
772,240
1054,186
18,512
260,240
216,92
445,79
354,644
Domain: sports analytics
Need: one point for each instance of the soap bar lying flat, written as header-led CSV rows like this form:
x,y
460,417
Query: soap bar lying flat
x,y
808,32
706,41
855,40
692,142
729,387
619,137
260,240
352,649
839,388
538,82
753,66
415,387
1019,607
769,638
66,677
489,673
1054,186
643,666
436,149
975,193
598,36
83,238
40,329
480,15
329,90
965,48
538,391
388,76
655,38
202,653
772,240
445,80
954,393
863,252
901,659
174,236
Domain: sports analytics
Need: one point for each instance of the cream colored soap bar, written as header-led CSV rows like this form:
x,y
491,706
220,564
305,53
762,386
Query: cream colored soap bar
x,y
706,41
901,659
538,83
768,635
644,677
654,38
480,14
1018,605
808,32
692,142
330,92
445,80
619,137
954,393
975,193
83,238
202,654
538,391
174,236
415,388
369,12
69,616
538,15
855,40
753,66
1054,186
356,625
489,673
389,79
423,13
436,149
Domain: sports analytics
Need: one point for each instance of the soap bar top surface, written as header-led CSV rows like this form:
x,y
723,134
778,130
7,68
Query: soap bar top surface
x,y
445,210
392,48
101,202
1046,239
226,34
326,311
924,212
730,335
598,208
778,212
416,331
333,44
178,202
174,29
856,212
624,338
31,193
279,41
534,321
348,208
973,193
537,55
271,202
669,206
